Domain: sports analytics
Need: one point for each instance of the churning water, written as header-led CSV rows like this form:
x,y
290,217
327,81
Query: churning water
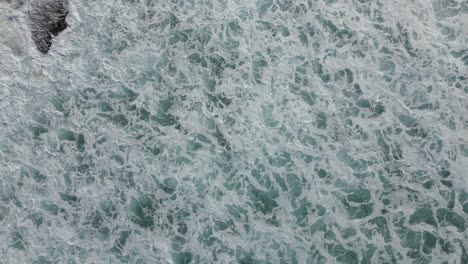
x,y
236,131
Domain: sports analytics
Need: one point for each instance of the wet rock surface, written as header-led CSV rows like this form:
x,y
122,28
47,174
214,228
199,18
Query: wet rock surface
x,y
47,20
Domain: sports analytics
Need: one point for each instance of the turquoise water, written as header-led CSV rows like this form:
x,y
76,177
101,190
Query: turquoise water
x,y
229,131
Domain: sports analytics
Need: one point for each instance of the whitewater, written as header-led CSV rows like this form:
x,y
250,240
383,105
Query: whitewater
x,y
235,131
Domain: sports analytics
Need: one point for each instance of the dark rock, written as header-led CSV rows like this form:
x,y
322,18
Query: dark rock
x,y
47,20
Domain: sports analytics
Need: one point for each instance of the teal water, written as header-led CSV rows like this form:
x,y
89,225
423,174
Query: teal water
x,y
229,131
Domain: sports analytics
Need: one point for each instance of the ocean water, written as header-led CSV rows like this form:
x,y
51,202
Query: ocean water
x,y
235,131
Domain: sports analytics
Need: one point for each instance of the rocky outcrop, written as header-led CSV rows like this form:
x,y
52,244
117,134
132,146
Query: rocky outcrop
x,y
47,20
